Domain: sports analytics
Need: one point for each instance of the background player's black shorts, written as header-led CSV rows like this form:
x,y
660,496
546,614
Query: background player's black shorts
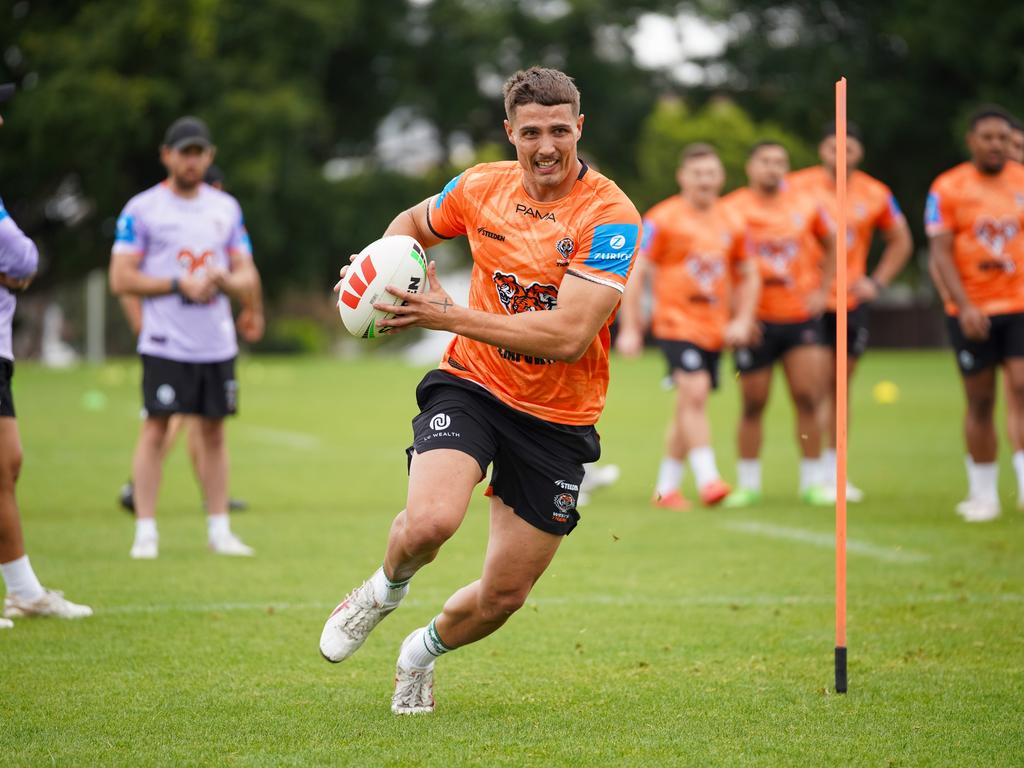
x,y
776,340
689,358
856,330
1005,339
6,397
205,389
538,465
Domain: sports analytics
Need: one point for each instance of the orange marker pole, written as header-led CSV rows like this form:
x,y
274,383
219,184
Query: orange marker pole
x,y
841,363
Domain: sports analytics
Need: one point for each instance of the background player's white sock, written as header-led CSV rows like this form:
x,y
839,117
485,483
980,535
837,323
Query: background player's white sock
x,y
985,481
1018,467
810,473
828,467
422,649
670,476
218,525
21,579
702,462
145,528
972,486
748,474
386,591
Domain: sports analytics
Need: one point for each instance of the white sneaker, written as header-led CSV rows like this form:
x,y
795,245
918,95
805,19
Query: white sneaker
x,y
414,688
145,548
6,624
599,476
351,622
231,545
52,603
854,495
978,510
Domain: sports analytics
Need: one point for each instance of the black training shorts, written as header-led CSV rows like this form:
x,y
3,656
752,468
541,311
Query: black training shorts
x,y
776,340
856,330
204,389
687,357
537,464
1005,339
6,396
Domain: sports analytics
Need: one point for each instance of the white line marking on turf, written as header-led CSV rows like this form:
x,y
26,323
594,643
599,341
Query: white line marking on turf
x,y
681,601
826,541
282,437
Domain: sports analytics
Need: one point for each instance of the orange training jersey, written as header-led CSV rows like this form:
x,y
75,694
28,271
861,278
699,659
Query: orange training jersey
x,y
522,249
984,214
696,253
869,205
781,232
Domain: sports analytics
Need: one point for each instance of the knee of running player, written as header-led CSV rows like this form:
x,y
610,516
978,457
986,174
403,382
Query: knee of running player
x,y
428,525
805,400
10,468
498,603
753,407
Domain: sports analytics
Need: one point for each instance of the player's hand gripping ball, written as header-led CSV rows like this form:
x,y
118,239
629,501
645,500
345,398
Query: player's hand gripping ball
x,y
398,261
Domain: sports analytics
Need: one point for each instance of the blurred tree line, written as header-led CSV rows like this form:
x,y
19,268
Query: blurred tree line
x,y
332,115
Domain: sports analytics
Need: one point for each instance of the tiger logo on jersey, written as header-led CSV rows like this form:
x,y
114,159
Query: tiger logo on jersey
x,y
193,262
706,272
515,298
778,254
995,234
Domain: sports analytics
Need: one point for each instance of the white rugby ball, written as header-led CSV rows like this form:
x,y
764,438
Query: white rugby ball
x,y
399,261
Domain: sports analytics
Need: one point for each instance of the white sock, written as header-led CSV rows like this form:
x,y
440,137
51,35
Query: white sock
x,y
218,525
385,591
1018,467
985,481
145,528
422,649
702,462
21,579
828,466
972,486
810,473
748,474
670,476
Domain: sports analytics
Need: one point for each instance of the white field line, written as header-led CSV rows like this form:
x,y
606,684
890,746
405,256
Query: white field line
x,y
826,541
596,600
281,437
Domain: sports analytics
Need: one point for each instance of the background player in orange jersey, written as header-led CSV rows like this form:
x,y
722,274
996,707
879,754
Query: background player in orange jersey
x,y
782,225
521,385
870,206
974,216
692,251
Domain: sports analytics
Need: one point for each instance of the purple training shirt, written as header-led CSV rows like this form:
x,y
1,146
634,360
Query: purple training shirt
x,y
18,259
176,236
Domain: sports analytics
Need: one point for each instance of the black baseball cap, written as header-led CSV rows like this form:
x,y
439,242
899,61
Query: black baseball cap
x,y
187,132
6,91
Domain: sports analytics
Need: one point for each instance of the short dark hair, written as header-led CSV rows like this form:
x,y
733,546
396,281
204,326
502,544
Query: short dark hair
x,y
540,85
985,111
758,146
852,130
695,150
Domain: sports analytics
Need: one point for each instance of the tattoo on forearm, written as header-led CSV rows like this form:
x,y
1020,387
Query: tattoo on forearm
x,y
443,304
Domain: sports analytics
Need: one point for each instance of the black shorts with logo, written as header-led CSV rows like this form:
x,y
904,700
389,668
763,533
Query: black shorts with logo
x,y
856,330
776,340
687,357
538,465
1005,339
6,396
204,389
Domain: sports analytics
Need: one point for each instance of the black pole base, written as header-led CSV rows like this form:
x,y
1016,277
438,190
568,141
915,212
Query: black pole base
x,y
840,670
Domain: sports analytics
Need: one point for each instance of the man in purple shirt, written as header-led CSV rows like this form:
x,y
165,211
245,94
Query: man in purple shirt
x,y
25,595
182,248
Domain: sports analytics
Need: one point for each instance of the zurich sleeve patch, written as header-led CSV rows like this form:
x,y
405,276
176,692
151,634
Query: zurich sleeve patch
x,y
932,214
612,248
125,229
447,188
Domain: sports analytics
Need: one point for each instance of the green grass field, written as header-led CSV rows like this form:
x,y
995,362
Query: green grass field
x,y
655,639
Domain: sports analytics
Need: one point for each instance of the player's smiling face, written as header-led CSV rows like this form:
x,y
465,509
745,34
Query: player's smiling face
x,y
545,140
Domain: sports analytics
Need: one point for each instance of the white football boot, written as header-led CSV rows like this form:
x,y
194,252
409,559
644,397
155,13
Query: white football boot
x,y
414,688
51,603
6,624
230,545
145,547
351,622
978,510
